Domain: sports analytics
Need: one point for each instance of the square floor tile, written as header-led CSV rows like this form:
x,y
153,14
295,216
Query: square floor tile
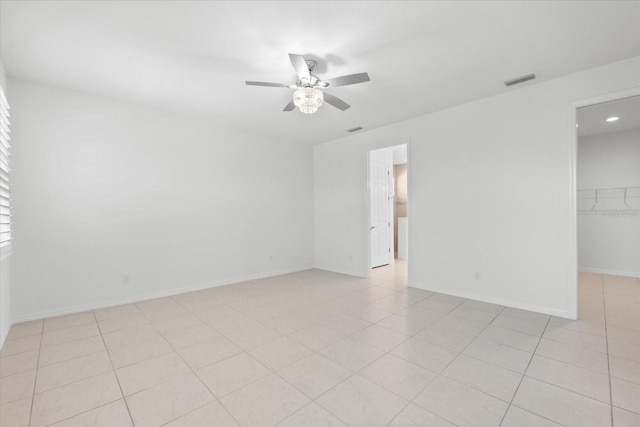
x,y
167,401
73,370
71,350
360,402
491,379
61,336
442,337
17,386
317,337
253,336
116,311
25,329
345,324
517,417
398,375
422,353
16,413
231,374
20,345
551,402
311,415
415,416
352,354
499,354
625,369
73,399
577,339
622,418
381,338
625,395
587,359
315,374
460,404
208,352
17,363
130,336
190,336
404,325
119,323
113,414
624,350
531,327
148,373
68,321
570,377
515,339
280,353
129,354
264,402
212,415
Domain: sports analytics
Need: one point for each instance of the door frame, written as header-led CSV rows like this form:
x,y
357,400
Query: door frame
x,y
573,190
367,203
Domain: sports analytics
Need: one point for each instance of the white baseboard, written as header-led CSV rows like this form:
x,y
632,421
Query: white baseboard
x,y
4,333
160,294
499,301
610,272
341,271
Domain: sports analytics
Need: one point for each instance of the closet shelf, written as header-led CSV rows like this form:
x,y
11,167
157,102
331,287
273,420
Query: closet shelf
x,y
609,201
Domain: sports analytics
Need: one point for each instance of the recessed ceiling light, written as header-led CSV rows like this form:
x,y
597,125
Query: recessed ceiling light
x,y
612,119
576,125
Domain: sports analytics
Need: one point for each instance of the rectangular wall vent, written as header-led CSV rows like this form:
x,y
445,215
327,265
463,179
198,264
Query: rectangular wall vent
x,y
354,129
519,80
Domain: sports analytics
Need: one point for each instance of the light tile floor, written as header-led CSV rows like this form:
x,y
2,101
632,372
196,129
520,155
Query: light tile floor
x,y
316,348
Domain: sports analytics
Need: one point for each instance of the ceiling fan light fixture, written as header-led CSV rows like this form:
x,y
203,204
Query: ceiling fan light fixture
x,y
308,99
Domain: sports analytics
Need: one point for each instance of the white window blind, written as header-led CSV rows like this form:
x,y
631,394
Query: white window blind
x,y
5,190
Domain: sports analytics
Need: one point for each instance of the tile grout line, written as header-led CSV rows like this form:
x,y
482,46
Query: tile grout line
x,y
126,404
35,380
524,374
192,370
606,340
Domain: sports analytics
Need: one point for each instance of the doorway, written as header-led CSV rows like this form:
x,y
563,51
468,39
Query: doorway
x,y
388,207
607,203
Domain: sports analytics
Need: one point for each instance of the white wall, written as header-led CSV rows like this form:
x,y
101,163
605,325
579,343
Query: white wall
x,y
5,289
103,188
489,183
609,243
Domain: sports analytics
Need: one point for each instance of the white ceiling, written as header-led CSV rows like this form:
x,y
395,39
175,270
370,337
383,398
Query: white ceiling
x,y
193,57
592,120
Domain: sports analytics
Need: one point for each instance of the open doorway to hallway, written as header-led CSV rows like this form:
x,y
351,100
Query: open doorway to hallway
x,y
388,210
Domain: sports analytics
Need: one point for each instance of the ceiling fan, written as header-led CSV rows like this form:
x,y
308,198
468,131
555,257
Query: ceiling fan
x,y
308,97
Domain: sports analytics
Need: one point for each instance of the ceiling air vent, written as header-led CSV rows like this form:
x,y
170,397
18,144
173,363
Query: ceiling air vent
x,y
520,79
355,129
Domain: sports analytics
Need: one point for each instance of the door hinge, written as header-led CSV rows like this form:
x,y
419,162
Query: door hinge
x,y
389,250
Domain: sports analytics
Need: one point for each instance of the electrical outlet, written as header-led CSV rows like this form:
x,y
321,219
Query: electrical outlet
x,y
271,258
126,278
476,275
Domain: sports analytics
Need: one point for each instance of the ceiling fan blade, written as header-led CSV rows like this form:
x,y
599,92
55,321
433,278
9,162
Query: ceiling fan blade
x,y
351,79
290,106
336,102
267,84
300,65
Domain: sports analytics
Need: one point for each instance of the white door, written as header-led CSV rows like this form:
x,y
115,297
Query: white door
x,y
380,177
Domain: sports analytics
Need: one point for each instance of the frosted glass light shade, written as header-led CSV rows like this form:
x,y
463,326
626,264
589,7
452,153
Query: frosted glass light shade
x,y
308,99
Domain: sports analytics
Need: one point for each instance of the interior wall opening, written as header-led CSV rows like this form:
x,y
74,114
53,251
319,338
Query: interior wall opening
x,y
608,203
388,193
